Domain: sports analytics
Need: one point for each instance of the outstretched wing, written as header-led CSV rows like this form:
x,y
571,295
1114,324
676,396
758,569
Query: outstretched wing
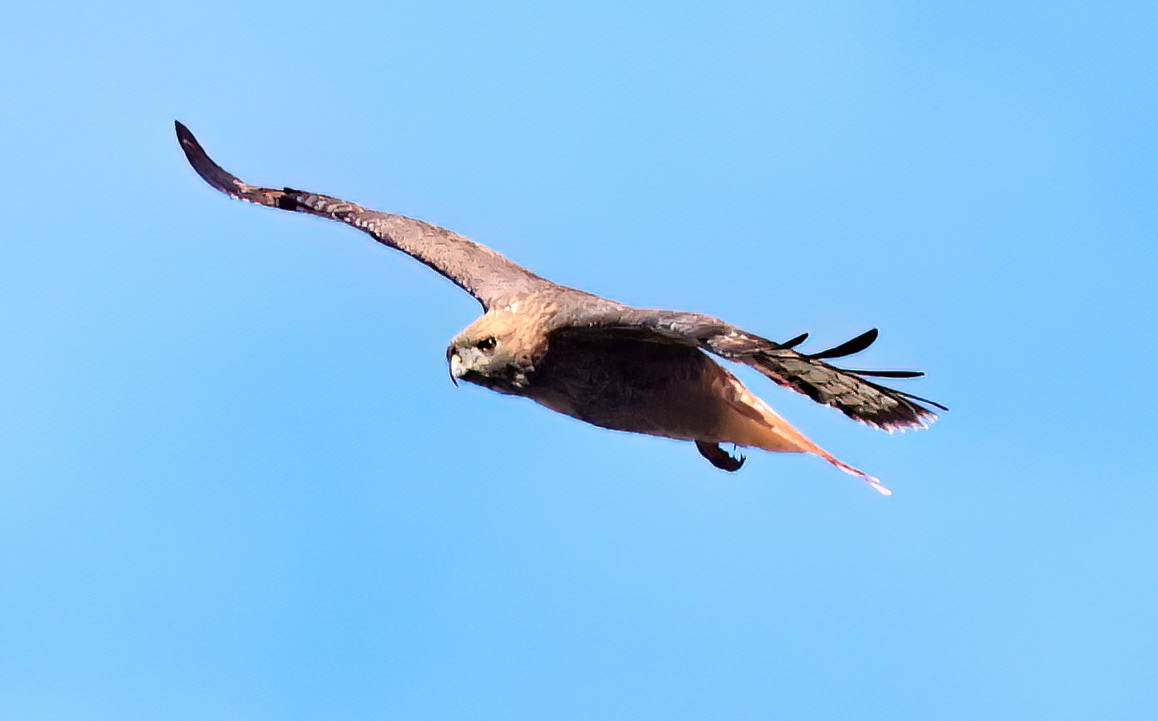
x,y
477,269
849,391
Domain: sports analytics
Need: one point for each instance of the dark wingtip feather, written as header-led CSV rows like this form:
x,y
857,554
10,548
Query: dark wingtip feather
x,y
792,343
919,399
849,347
885,374
217,176
209,171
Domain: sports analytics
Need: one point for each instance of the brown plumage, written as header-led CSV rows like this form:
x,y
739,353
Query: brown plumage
x,y
618,367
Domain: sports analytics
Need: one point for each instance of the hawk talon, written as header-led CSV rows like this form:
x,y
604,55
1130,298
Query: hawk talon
x,y
720,458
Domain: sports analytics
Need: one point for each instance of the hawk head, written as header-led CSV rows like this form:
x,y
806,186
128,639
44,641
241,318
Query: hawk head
x,y
493,352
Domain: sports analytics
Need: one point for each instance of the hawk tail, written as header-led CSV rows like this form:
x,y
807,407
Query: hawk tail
x,y
752,422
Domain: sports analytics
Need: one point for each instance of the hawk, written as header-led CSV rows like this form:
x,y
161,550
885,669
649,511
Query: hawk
x,y
628,369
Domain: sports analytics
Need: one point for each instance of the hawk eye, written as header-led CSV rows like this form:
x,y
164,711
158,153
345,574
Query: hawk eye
x,y
487,343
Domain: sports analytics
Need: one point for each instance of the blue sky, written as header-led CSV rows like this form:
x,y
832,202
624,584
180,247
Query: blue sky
x,y
236,481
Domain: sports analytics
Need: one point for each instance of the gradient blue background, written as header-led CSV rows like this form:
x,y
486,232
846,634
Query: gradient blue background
x,y
237,483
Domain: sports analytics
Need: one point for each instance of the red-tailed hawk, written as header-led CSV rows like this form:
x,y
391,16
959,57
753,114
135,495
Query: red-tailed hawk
x,y
623,368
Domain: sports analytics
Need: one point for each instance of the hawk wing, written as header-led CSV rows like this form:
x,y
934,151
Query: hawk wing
x,y
849,391
480,271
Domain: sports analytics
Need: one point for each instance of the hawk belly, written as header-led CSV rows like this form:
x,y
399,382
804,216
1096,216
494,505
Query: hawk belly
x,y
660,390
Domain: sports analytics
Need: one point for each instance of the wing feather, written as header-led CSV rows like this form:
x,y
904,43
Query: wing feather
x,y
480,271
846,390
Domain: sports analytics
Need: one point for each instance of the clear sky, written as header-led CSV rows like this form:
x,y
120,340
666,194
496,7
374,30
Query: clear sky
x,y
237,483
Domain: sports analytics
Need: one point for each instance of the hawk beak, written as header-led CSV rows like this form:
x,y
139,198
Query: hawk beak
x,y
457,369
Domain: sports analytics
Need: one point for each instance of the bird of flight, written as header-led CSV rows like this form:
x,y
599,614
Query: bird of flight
x,y
628,369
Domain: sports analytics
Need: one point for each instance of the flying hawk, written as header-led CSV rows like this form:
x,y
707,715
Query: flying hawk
x,y
611,365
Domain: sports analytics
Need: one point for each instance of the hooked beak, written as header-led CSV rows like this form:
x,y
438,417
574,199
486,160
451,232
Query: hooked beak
x,y
512,382
457,369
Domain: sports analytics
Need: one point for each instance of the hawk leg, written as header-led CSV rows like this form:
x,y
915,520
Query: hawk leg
x,y
718,457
